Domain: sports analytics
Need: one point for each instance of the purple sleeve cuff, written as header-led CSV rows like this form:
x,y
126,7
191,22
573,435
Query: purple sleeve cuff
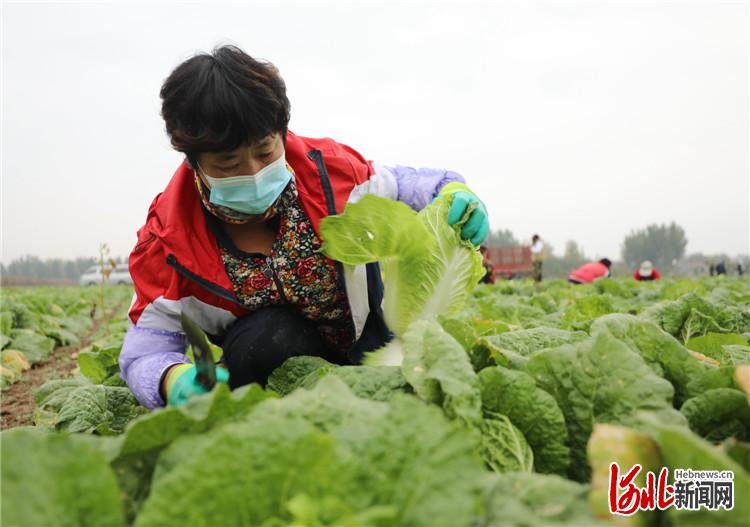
x,y
146,354
417,187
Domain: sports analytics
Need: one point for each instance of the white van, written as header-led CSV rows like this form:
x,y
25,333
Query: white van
x,y
119,276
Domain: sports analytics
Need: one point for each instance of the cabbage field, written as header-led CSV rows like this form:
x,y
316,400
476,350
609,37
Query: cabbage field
x,y
36,320
507,414
507,411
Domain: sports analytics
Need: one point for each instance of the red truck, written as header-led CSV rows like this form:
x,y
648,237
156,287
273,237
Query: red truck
x,y
511,262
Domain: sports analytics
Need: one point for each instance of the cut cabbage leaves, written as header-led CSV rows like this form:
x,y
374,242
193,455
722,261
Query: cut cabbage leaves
x,y
428,270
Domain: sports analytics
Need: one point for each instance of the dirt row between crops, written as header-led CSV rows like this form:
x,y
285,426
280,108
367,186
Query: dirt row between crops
x,y
18,404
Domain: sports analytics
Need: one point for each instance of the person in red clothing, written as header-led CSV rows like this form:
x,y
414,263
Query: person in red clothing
x,y
589,272
234,239
646,272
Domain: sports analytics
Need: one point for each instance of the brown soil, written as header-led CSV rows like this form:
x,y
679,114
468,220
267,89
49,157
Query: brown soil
x,y
17,405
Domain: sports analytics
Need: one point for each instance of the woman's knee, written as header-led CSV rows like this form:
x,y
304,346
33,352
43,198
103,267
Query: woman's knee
x,y
260,342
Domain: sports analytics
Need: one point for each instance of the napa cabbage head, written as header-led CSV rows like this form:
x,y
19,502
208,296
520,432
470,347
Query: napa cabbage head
x,y
428,270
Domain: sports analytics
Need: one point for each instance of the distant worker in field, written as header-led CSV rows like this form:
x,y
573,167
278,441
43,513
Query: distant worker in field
x,y
740,269
721,268
489,275
589,272
646,272
234,240
537,257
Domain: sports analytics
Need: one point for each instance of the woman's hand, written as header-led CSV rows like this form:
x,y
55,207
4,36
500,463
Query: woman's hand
x,y
477,226
180,383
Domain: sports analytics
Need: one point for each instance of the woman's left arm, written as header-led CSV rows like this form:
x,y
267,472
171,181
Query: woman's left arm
x,y
416,187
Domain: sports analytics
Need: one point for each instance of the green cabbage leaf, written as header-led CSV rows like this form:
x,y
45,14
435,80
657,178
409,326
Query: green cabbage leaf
x,y
428,270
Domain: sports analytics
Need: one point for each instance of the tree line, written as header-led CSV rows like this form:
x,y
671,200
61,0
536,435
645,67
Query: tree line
x,y
32,269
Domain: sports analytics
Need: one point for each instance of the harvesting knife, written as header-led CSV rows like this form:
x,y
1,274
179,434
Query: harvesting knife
x,y
204,359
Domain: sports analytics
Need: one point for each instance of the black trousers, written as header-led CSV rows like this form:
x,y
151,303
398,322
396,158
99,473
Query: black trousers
x,y
260,342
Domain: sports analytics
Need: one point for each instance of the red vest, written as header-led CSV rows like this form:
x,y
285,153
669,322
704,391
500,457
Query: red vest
x,y
589,272
654,275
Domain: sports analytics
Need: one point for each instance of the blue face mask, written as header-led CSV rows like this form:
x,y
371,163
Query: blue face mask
x,y
250,194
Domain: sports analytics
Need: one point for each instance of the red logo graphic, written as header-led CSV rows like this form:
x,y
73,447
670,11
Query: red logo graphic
x,y
656,494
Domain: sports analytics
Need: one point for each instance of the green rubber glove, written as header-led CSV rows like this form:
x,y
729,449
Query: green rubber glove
x,y
477,227
182,385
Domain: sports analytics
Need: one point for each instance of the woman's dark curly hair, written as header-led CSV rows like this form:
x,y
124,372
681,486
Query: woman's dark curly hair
x,y
220,101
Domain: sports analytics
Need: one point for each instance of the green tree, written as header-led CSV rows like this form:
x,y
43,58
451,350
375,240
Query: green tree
x,y
501,238
573,253
560,266
662,244
29,266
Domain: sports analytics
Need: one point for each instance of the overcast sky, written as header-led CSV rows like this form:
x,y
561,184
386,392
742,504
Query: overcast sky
x,y
576,120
